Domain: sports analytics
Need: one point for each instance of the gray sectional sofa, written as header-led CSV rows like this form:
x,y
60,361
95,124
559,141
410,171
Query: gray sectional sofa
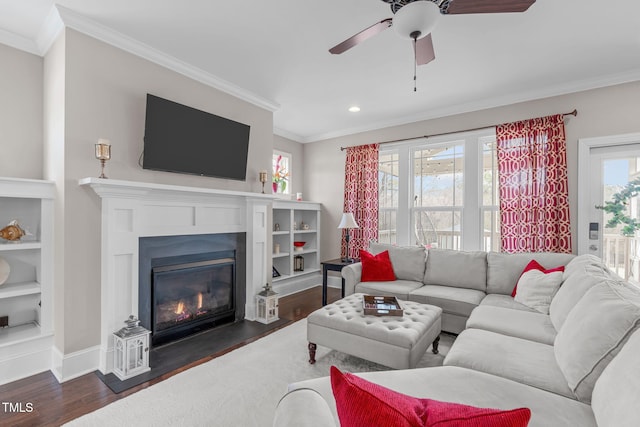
x,y
576,366
456,281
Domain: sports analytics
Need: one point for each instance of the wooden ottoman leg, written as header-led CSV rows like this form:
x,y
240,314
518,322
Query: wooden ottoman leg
x,y
435,345
312,353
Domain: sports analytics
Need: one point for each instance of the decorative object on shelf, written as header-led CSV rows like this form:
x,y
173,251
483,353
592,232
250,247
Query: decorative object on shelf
x,y
276,248
305,226
5,269
103,153
280,176
131,349
298,245
347,222
298,263
299,197
295,225
4,321
276,227
267,305
618,207
263,179
13,232
274,272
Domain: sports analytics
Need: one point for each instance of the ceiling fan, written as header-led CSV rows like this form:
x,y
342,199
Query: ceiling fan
x,y
415,19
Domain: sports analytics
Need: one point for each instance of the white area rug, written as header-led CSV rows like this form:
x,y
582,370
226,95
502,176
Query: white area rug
x,y
241,388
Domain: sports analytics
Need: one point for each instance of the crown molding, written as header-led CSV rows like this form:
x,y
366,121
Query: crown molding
x,y
289,135
18,42
49,32
525,96
80,23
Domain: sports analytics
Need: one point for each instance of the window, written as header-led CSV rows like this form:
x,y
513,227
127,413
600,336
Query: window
x,y
388,196
281,172
490,210
438,189
441,193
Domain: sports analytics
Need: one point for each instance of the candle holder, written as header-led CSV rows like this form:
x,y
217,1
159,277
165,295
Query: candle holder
x,y
103,153
263,179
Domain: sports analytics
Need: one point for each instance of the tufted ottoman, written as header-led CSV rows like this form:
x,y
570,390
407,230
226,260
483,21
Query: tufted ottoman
x,y
393,341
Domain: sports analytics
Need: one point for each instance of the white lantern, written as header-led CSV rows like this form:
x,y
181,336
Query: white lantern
x,y
267,305
131,349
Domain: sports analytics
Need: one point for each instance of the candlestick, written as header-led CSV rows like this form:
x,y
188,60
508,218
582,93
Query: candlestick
x,y
103,153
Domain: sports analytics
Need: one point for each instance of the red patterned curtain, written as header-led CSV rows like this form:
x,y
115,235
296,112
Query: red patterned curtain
x,y
361,197
534,195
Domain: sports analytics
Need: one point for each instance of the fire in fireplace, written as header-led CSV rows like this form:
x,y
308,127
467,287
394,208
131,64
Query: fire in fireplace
x,y
192,296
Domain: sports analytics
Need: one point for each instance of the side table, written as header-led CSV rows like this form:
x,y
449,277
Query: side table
x,y
333,265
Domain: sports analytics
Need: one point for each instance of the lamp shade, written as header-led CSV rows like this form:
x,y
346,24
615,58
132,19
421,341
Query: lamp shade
x,y
348,221
419,16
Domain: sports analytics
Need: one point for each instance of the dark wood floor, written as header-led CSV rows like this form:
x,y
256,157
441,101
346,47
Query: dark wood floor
x,y
55,404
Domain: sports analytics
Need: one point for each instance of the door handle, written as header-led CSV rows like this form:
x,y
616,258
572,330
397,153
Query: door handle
x,y
593,248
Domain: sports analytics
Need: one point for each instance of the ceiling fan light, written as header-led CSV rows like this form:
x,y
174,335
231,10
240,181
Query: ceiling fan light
x,y
419,16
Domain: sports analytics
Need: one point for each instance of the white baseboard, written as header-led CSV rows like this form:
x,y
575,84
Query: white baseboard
x,y
334,282
73,365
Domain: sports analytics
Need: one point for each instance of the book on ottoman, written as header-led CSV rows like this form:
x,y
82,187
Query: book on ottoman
x,y
381,306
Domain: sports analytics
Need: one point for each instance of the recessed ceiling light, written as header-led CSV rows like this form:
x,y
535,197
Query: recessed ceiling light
x,y
354,109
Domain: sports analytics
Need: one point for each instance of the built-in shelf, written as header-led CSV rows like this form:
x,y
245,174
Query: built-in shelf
x,y
20,334
19,289
26,298
296,221
19,246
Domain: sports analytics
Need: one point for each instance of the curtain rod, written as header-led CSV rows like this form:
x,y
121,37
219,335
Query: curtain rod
x,y
572,113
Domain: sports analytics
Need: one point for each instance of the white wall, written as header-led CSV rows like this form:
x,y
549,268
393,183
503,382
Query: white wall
x,y
606,111
20,113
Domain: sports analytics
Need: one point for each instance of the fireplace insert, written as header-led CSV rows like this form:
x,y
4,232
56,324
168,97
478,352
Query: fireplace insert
x,y
191,296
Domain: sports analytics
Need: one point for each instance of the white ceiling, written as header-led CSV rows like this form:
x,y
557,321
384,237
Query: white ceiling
x,y
276,51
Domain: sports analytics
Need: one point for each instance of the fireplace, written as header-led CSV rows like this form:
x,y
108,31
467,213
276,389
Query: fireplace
x,y
190,283
192,296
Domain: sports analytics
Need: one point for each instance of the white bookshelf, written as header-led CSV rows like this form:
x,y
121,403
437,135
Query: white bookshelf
x,y
296,221
27,295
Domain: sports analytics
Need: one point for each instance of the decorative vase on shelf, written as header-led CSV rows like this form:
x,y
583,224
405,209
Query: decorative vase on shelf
x,y
275,187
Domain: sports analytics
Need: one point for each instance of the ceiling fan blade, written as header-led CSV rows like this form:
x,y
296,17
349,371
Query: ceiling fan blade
x,y
488,6
424,50
361,36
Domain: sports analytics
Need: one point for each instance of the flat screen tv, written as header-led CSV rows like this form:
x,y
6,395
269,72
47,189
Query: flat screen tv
x,y
182,139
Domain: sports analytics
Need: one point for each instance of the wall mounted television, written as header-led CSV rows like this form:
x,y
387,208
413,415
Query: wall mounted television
x,y
182,139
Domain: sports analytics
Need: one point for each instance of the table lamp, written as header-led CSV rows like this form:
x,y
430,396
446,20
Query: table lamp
x,y
348,221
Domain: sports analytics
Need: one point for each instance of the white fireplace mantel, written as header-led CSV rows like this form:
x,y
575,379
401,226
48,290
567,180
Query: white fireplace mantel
x,y
131,210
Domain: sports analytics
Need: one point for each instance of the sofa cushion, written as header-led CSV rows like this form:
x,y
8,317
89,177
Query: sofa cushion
x,y
457,269
503,270
397,288
580,275
517,359
408,261
455,384
504,301
536,289
593,333
515,323
452,300
376,268
615,395
535,265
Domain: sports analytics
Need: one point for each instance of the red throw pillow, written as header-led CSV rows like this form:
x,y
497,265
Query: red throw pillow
x,y
535,265
361,403
376,268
